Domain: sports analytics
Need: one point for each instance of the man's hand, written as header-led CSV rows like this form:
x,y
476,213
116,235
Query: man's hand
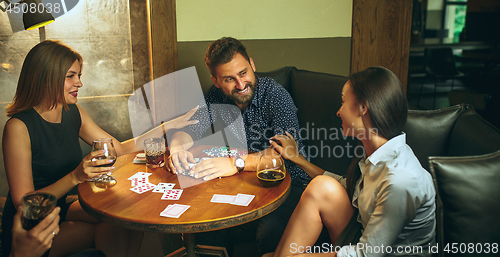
x,y
214,168
179,159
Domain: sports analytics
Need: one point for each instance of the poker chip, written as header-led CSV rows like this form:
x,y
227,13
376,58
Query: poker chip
x,y
214,151
224,151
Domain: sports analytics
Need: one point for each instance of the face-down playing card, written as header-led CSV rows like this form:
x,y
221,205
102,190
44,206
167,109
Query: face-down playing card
x,y
217,198
174,210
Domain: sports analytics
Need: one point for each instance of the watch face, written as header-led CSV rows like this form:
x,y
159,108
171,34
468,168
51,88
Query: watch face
x,y
240,163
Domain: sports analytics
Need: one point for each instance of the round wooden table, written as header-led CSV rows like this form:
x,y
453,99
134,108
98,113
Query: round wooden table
x,y
122,207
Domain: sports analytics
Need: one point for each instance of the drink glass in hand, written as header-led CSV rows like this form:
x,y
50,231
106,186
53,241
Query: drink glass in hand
x,y
106,144
271,170
155,152
35,207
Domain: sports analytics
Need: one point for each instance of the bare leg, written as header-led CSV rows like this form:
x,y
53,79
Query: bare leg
x,y
324,201
74,236
82,231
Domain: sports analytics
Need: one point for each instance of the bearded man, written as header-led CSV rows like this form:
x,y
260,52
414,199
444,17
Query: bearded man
x,y
266,109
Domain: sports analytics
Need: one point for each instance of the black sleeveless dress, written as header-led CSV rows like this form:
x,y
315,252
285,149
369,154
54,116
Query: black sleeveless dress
x,y
55,152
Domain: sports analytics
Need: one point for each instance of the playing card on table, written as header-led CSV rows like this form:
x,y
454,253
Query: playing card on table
x,y
139,181
143,188
174,210
140,158
223,198
243,199
140,175
172,194
163,187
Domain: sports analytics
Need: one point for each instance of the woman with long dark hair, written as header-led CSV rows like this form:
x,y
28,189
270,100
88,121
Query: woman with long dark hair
x,y
387,201
42,152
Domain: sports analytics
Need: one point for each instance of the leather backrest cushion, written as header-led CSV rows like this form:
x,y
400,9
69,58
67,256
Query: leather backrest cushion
x,y
428,132
469,192
282,76
318,97
472,135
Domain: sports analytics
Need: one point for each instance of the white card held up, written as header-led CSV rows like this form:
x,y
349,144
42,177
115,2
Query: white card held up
x,y
223,198
243,199
174,211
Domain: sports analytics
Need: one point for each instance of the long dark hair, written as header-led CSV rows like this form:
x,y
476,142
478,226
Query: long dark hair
x,y
222,51
42,76
380,90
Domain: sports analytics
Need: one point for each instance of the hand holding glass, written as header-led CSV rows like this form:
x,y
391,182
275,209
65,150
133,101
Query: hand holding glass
x,y
35,207
106,144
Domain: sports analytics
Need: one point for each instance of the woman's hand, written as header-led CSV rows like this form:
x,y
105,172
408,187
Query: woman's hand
x,y
182,121
38,240
286,146
89,166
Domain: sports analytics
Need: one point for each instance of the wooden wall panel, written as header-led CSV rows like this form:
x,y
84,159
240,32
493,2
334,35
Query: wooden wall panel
x,y
140,42
154,52
163,37
381,31
153,32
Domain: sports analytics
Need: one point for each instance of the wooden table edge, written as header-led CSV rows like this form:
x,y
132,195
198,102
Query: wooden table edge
x,y
189,227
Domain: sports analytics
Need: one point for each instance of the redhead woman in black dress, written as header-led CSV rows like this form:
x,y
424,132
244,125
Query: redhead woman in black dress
x,y
42,153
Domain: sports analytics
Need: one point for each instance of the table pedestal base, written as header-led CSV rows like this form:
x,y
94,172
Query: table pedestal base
x,y
190,249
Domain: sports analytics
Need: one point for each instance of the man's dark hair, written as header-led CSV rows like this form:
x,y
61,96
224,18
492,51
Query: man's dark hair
x,y
223,51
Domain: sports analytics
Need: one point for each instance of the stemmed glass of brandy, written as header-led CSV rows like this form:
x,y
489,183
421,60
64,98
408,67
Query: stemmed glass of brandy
x,y
106,144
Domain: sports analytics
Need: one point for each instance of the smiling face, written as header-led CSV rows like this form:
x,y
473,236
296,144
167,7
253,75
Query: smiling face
x,y
72,83
351,112
237,80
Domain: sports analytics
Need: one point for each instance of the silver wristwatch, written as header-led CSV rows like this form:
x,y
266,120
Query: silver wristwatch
x,y
239,163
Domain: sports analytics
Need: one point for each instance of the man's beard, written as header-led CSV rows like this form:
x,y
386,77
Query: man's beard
x,y
243,99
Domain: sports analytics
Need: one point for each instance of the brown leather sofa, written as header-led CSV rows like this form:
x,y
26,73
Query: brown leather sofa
x,y
458,147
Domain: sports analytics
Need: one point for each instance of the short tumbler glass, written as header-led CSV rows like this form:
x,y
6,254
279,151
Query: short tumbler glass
x,y
154,148
35,207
